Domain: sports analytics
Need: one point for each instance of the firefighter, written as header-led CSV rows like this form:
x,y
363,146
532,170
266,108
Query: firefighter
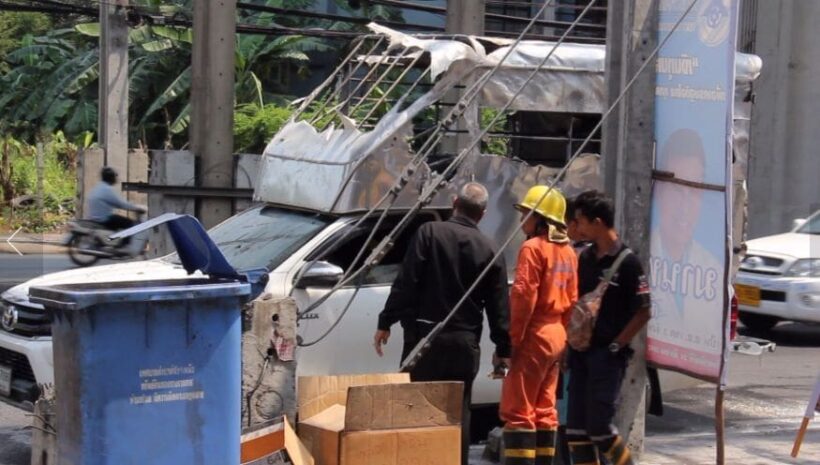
x,y
544,289
595,375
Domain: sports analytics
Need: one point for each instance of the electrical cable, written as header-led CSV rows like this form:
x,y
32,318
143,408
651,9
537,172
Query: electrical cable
x,y
332,17
420,348
358,285
423,153
440,10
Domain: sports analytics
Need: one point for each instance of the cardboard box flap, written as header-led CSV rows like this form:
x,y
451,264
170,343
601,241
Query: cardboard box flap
x,y
406,405
331,419
417,446
317,393
298,453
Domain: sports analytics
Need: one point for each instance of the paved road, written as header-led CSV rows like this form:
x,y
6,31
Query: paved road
x,y
15,269
764,403
15,437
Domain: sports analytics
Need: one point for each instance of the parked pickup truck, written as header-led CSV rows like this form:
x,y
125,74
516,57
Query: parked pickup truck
x,y
380,146
277,238
779,279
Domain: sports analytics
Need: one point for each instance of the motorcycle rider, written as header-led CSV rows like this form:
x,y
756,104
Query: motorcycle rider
x,y
103,199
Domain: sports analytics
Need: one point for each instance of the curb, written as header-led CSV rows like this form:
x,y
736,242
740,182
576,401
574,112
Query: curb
x,y
40,244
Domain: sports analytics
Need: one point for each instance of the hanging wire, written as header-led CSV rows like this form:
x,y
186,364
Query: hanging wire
x,y
422,345
312,97
381,249
386,243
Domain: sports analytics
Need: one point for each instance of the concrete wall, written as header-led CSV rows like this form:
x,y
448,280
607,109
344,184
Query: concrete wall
x,y
785,154
91,161
169,168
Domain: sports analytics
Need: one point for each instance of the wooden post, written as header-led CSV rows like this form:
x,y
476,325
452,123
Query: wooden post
x,y
801,434
720,426
814,406
40,175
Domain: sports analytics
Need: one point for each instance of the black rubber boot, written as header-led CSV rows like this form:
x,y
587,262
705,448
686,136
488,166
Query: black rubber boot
x,y
519,447
545,441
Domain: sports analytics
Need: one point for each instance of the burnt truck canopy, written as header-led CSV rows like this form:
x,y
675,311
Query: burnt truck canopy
x,y
352,138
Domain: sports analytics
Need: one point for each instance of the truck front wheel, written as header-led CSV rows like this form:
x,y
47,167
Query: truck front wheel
x,y
755,322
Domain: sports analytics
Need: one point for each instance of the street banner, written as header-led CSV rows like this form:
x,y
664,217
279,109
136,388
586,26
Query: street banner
x,y
814,402
691,195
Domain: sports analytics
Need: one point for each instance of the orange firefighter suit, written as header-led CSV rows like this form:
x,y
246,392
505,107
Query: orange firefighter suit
x,y
544,290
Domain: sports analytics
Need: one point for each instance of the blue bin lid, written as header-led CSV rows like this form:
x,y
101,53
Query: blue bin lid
x,y
194,246
80,296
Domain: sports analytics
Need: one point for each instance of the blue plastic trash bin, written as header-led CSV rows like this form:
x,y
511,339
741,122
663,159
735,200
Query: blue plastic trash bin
x,y
147,372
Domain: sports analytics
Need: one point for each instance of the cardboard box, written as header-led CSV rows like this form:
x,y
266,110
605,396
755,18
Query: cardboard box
x,y
380,420
439,445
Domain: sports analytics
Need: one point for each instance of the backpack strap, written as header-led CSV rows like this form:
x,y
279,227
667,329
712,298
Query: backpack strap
x,y
610,273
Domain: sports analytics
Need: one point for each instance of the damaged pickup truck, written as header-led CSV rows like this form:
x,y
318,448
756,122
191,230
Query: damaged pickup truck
x,y
401,123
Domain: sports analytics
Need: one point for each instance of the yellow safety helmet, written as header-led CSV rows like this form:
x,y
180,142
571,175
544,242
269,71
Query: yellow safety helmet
x,y
553,206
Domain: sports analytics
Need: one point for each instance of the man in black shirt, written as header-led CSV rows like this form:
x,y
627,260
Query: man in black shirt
x,y
596,374
441,263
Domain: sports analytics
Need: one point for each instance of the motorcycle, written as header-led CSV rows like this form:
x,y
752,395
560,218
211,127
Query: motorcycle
x,y
88,241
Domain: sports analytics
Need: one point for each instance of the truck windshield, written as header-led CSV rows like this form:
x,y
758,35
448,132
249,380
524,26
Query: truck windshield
x,y
812,226
263,236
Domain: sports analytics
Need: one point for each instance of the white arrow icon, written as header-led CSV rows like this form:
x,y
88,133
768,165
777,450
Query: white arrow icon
x,y
8,241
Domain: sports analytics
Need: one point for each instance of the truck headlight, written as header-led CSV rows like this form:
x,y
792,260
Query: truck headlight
x,y
805,268
811,300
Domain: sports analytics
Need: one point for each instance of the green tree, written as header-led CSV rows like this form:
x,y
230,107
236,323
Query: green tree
x,y
14,26
50,86
254,125
52,78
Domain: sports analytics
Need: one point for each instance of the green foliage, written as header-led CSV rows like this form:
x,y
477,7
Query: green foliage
x,y
49,86
14,26
19,179
33,220
49,78
254,126
495,145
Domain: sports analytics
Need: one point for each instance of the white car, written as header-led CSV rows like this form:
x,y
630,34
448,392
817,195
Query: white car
x,y
282,240
779,279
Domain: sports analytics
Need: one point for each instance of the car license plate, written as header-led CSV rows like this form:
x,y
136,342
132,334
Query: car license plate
x,y
748,295
5,381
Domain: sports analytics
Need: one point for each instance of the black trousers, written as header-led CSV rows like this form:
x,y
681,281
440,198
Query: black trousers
x,y
453,356
594,384
118,223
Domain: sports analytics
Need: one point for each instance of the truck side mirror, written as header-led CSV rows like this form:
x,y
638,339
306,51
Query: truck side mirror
x,y
319,274
797,223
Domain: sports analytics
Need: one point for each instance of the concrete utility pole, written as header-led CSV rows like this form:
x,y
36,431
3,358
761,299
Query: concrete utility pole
x,y
465,17
628,152
113,106
212,102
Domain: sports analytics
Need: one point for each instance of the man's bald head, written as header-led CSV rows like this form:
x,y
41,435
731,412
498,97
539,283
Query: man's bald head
x,y
472,201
